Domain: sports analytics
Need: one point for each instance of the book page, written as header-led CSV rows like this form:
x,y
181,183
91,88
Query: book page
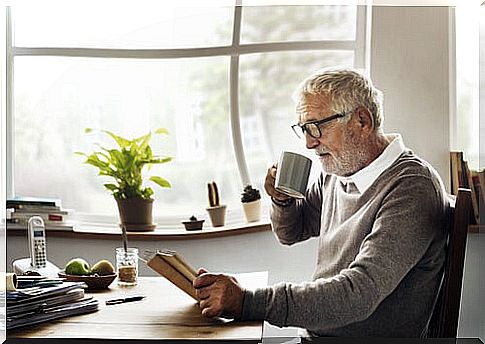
x,y
174,259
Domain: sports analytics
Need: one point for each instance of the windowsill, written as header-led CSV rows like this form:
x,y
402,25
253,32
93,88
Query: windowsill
x,y
162,232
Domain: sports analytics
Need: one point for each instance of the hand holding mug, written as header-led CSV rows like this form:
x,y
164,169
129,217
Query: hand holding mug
x,y
292,174
269,184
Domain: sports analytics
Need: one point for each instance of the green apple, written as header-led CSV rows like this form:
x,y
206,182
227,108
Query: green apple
x,y
103,267
77,266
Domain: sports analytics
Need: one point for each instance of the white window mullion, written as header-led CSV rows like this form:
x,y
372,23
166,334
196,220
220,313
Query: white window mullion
x,y
9,105
242,49
363,36
234,101
124,53
452,77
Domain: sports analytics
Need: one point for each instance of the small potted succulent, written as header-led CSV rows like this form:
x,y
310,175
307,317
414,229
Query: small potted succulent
x,y
193,224
251,201
126,165
217,212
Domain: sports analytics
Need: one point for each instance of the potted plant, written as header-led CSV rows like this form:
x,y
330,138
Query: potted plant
x,y
193,224
217,212
127,164
251,201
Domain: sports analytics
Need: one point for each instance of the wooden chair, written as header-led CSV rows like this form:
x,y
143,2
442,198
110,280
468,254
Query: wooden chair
x,y
444,320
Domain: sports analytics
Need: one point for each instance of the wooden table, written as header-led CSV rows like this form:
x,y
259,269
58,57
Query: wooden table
x,y
165,313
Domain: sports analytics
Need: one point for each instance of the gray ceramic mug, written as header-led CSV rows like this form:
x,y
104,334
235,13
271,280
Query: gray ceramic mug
x,y
292,174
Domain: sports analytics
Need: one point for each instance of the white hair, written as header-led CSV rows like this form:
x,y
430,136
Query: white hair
x,y
348,90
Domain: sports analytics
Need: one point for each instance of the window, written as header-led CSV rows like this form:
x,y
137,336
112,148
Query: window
x,y
218,78
467,122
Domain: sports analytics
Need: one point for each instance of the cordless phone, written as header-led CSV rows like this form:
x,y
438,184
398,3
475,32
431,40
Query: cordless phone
x,y
37,263
37,243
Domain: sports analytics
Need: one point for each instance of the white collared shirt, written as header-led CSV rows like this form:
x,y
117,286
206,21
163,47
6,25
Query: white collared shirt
x,y
366,176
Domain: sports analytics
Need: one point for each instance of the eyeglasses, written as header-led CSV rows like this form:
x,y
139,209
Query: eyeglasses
x,y
313,127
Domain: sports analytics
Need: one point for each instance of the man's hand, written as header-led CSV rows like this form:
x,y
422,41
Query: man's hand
x,y
270,187
220,295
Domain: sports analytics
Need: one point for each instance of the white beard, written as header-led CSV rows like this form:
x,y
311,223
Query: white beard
x,y
351,159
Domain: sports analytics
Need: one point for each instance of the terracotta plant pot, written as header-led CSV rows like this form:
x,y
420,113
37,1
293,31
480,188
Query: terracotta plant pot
x,y
252,210
136,214
217,215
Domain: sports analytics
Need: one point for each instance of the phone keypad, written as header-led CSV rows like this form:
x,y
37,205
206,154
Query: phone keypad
x,y
40,255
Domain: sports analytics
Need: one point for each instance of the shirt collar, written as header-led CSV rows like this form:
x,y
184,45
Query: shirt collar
x,y
364,178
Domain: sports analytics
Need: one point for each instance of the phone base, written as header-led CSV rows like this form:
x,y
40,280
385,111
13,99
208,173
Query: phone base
x,y
21,266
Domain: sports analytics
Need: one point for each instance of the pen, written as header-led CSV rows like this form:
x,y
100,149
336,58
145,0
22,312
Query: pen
x,y
124,299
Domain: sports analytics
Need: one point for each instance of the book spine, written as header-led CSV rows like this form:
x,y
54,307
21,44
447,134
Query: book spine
x,y
14,203
471,186
62,226
158,264
481,180
481,202
40,210
179,265
45,217
455,180
35,208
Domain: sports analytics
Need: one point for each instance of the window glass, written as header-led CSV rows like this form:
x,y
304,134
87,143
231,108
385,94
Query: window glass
x,y
266,106
56,98
467,83
165,25
297,23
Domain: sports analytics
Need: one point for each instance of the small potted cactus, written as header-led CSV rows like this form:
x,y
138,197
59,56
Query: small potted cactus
x,y
193,224
251,201
217,212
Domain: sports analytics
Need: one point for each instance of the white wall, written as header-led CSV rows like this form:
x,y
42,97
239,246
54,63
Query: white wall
x,y
2,172
240,253
481,265
409,63
482,92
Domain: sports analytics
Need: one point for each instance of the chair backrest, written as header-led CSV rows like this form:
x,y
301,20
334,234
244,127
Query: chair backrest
x,y
444,320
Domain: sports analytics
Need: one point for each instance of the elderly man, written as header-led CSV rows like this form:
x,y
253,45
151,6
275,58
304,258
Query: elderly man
x,y
379,213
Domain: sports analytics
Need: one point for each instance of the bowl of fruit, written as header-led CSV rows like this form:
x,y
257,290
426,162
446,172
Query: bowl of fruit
x,y
99,276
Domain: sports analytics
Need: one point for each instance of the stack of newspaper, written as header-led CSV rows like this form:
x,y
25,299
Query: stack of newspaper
x,y
38,300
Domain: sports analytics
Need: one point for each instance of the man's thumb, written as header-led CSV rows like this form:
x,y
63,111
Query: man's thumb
x,y
201,271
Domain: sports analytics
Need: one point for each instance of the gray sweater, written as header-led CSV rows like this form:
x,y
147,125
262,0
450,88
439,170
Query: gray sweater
x,y
380,255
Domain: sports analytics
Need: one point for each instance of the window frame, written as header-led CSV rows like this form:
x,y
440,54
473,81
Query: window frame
x,y
360,46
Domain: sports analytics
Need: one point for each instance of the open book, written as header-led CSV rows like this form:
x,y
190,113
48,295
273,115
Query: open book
x,y
173,267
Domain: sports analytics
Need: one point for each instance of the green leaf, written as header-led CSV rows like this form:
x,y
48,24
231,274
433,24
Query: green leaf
x,y
111,187
143,140
116,158
94,160
162,131
147,192
88,130
134,149
161,160
104,155
148,152
122,142
160,181
80,153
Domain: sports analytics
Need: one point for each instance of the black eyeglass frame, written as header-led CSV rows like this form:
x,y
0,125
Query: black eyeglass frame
x,y
318,124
